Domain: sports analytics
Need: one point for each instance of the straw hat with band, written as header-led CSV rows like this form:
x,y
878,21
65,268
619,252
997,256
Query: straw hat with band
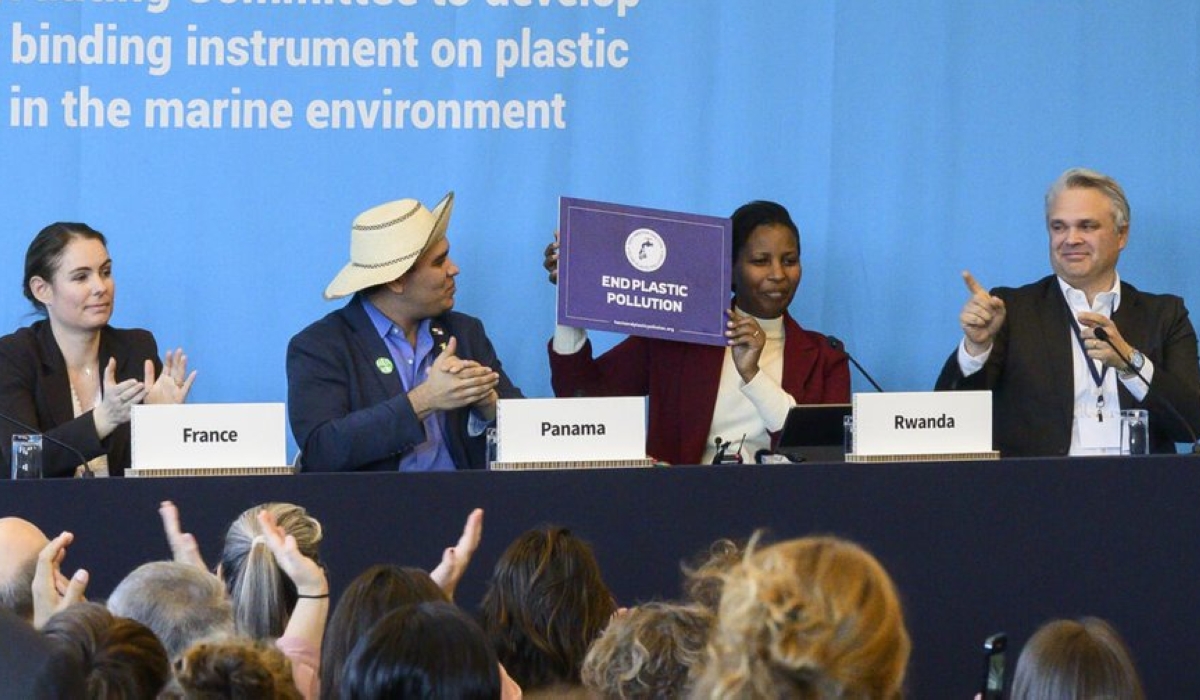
x,y
386,240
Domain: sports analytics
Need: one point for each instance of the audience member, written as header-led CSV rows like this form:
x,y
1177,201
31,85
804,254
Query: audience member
x,y
1076,660
263,595
121,658
545,604
20,542
34,668
370,596
181,603
233,668
649,652
72,375
704,580
816,617
427,651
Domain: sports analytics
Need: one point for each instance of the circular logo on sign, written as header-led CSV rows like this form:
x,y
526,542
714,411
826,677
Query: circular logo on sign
x,y
645,250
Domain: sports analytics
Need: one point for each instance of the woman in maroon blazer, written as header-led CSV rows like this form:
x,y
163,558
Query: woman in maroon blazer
x,y
71,375
700,394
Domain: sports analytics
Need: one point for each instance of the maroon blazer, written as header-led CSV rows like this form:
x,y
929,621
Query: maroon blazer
x,y
682,379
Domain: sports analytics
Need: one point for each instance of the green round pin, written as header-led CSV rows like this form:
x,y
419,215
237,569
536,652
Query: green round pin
x,y
385,365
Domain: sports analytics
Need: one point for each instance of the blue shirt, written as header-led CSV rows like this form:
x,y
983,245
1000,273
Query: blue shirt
x,y
412,364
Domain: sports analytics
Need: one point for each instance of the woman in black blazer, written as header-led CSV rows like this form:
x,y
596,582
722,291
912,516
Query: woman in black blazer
x,y
71,375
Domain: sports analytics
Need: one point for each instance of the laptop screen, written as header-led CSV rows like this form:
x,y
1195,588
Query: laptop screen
x,y
813,425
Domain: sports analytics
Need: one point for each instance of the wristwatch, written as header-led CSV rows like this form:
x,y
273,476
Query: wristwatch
x,y
1136,361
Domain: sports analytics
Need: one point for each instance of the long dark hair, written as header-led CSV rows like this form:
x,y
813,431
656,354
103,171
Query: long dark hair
x,y
545,604
370,596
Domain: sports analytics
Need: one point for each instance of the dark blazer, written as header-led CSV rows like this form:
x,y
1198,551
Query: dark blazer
x,y
35,389
347,415
682,380
1030,370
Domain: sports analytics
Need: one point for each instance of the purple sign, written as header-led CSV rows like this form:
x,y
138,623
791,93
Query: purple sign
x,y
647,272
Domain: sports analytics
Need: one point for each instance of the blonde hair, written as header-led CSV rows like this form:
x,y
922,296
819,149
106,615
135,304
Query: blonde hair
x,y
816,617
262,595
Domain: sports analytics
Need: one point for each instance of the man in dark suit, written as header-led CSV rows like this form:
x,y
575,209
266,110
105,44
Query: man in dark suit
x,y
1058,386
395,379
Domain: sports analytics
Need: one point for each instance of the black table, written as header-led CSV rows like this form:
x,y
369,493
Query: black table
x,y
975,548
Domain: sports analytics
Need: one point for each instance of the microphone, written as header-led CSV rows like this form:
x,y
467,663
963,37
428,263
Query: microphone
x,y
1102,334
839,345
87,471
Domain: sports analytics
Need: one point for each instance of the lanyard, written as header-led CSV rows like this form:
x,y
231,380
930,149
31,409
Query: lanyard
x,y
1097,375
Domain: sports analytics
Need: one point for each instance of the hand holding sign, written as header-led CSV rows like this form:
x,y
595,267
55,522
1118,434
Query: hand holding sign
x,y
981,318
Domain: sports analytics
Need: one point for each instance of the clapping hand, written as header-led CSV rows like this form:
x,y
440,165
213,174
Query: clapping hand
x,y
184,548
453,383
173,385
52,591
118,400
455,559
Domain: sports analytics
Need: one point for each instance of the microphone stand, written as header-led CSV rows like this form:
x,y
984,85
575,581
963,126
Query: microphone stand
x,y
837,344
87,471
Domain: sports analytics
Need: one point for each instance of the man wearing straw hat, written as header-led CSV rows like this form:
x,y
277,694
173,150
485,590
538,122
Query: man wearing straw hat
x,y
395,380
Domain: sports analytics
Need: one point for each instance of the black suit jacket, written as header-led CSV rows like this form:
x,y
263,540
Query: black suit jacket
x,y
1031,374
347,415
35,389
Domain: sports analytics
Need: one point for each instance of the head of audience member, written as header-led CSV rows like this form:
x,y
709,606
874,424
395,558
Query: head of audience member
x,y
649,652
1087,216
181,603
766,259
816,617
122,659
46,275
33,666
704,578
432,651
233,668
20,543
1069,659
545,604
262,594
371,595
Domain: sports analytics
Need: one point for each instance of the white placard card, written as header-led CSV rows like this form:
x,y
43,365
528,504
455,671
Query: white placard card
x,y
209,436
923,423
571,429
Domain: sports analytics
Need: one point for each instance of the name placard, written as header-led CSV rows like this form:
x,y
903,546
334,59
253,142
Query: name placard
x,y
923,423
571,429
209,436
647,272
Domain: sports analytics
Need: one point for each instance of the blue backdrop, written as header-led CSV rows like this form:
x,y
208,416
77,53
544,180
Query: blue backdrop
x,y
910,140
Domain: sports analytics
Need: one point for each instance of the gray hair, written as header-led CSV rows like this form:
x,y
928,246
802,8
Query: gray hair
x,y
262,595
1077,178
16,592
181,603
